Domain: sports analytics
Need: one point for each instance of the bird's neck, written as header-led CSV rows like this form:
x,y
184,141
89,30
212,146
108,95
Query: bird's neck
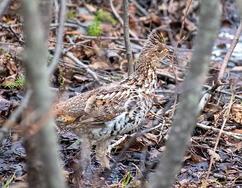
x,y
144,78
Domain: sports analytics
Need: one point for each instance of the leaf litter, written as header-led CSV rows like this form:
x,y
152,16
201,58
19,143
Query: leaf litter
x,y
106,57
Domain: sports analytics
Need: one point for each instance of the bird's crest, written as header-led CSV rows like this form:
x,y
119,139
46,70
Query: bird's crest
x,y
155,38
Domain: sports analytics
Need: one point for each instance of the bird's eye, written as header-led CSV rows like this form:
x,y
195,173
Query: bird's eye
x,y
159,50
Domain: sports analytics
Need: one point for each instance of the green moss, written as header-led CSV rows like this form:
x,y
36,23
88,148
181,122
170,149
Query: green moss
x,y
101,16
70,15
19,83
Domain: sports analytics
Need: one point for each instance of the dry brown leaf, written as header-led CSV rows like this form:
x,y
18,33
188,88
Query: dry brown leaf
x,y
197,159
96,48
81,78
187,157
9,80
132,23
163,148
91,8
237,69
154,153
237,113
99,64
106,28
89,52
239,131
188,24
232,141
151,137
136,144
155,19
215,155
132,8
73,32
85,17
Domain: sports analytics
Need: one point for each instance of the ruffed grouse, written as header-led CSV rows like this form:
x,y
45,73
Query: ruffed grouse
x,y
117,108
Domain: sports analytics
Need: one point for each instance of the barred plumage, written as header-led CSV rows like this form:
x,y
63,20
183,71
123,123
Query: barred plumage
x,y
117,108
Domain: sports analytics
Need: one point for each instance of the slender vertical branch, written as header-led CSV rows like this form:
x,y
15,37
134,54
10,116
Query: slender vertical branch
x,y
59,38
126,37
186,115
230,51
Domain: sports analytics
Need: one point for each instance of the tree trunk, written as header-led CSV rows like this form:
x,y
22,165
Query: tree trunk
x,y
186,115
43,163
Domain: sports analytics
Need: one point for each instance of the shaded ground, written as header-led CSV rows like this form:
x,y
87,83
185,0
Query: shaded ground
x,y
106,57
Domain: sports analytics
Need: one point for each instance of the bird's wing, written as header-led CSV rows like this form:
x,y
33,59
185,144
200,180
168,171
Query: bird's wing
x,y
93,108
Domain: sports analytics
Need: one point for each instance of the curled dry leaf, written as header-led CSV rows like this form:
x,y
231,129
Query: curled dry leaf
x,y
136,145
215,155
81,78
151,137
237,113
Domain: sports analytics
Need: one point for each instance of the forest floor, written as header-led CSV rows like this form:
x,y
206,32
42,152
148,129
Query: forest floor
x,y
94,35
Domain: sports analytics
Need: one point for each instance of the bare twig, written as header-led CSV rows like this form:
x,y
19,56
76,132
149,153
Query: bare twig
x,y
230,51
205,86
120,19
59,39
126,37
173,43
188,4
93,74
226,115
14,116
234,135
206,96
111,38
56,13
3,6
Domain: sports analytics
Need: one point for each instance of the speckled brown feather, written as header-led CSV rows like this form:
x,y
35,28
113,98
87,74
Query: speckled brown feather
x,y
116,108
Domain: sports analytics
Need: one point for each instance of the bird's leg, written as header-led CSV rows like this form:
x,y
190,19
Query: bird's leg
x,y
86,150
101,152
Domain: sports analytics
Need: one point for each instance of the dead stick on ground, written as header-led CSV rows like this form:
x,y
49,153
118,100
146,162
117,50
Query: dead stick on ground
x,y
230,51
226,115
73,58
234,135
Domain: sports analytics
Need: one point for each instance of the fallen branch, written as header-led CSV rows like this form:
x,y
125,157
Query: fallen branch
x,y
235,135
86,67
